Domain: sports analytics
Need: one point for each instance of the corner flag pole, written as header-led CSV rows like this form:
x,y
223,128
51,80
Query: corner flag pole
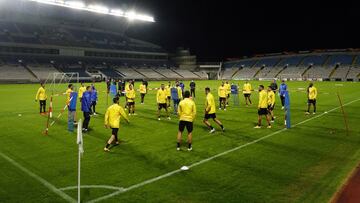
x,y
79,141
344,114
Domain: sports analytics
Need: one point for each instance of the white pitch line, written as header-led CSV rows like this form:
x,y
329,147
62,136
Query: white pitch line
x,y
92,186
38,178
211,158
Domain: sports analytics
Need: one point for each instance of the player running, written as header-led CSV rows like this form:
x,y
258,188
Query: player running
x,y
187,113
312,94
210,111
222,96
262,107
161,101
130,98
247,92
271,103
112,120
41,96
142,92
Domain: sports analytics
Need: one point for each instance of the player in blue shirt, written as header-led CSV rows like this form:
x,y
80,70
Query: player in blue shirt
x,y
282,91
94,98
86,107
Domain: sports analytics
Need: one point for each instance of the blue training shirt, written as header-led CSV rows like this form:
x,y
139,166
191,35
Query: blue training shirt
x,y
86,102
283,89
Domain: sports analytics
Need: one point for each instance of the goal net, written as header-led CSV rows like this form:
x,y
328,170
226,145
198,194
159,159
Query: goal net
x,y
57,81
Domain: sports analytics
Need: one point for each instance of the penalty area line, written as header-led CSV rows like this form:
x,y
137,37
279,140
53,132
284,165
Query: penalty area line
x,y
213,157
39,179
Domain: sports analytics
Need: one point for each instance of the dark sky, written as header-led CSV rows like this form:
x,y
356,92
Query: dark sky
x,y
215,30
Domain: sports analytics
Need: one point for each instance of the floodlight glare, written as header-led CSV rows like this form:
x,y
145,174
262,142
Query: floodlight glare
x,y
75,4
98,9
131,15
117,12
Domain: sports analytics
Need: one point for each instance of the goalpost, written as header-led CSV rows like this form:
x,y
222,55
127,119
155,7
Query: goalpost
x,y
56,87
56,79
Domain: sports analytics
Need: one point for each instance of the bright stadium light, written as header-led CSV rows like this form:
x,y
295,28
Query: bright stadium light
x,y
75,4
131,15
117,12
98,9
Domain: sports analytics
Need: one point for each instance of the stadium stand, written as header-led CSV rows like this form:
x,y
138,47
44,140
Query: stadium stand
x,y
168,73
15,73
317,66
187,74
150,73
42,71
202,75
129,73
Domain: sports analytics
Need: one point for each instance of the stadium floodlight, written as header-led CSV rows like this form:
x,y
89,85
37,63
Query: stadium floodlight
x,y
80,5
117,12
98,9
75,4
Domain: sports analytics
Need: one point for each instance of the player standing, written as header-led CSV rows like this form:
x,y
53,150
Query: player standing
x,y
312,94
262,107
142,89
187,113
130,97
228,91
271,103
210,111
192,88
161,101
94,99
112,120
86,107
282,91
247,92
274,86
82,89
222,96
168,94
41,96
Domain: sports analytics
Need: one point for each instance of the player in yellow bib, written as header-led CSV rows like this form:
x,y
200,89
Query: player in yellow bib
x,y
312,95
130,97
143,92
262,107
247,92
41,96
210,111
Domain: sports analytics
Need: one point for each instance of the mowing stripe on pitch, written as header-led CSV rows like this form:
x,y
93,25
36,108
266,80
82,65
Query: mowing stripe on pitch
x,y
213,157
38,178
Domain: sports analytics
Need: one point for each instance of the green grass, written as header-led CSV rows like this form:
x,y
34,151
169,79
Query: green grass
x,y
304,164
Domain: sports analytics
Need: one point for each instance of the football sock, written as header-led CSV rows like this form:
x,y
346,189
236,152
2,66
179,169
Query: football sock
x,y
178,144
189,145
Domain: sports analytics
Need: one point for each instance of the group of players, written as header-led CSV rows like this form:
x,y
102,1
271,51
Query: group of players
x,y
183,103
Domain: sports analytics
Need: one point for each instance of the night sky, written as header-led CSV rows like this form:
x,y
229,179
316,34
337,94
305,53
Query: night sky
x,y
216,30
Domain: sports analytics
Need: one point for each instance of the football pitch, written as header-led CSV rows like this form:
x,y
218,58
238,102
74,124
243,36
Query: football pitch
x,y
307,163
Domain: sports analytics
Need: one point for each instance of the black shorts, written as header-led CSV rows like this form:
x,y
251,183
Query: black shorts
x,y
187,124
222,99
312,101
211,115
142,94
162,106
247,95
169,97
271,107
262,111
115,131
131,103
